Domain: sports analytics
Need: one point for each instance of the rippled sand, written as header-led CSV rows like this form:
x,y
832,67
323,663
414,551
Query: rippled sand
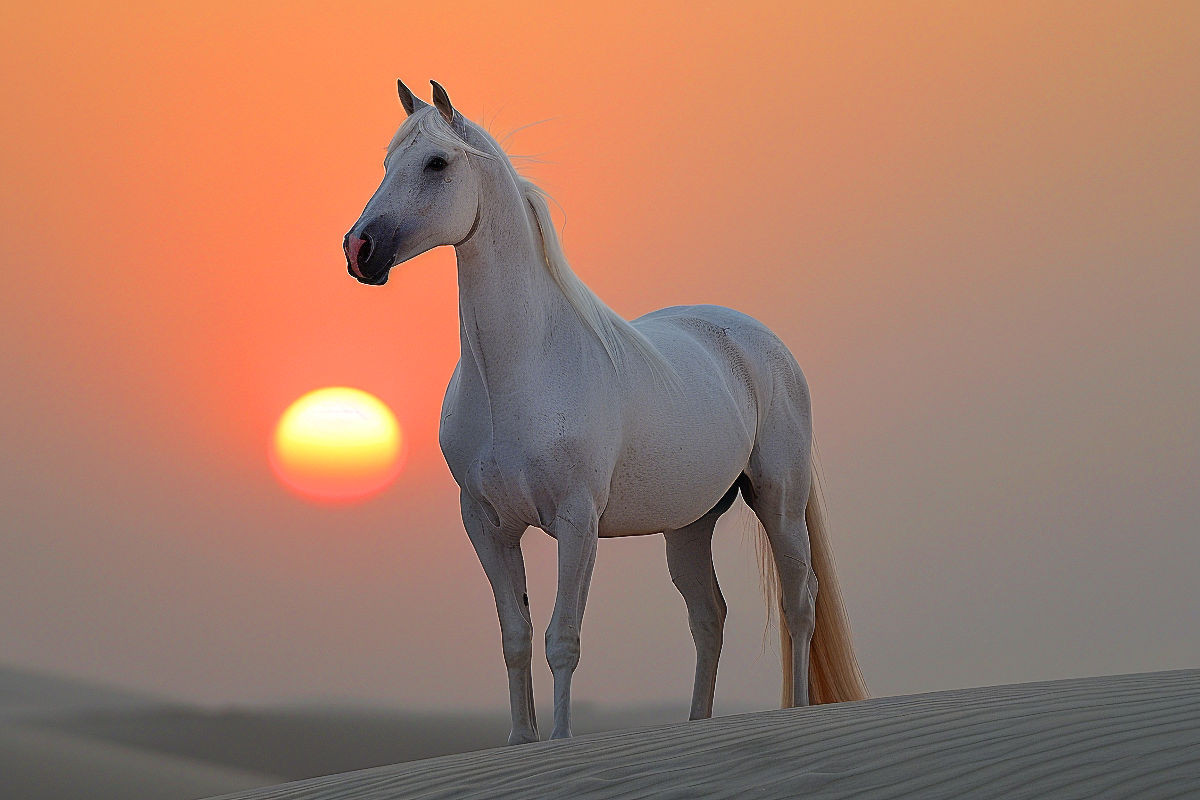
x,y
1123,736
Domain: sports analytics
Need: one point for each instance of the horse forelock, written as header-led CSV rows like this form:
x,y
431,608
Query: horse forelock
x,y
428,122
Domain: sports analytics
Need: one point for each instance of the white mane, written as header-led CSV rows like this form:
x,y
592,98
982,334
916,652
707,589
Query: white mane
x,y
614,332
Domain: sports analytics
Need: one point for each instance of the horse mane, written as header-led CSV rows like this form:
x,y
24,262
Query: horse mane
x,y
615,333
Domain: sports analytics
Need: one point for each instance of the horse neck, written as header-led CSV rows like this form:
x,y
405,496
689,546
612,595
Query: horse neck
x,y
508,304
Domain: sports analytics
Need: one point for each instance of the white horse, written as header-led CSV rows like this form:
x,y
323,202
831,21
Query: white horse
x,y
561,415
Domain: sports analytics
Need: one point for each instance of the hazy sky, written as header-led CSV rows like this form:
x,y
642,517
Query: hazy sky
x,y
976,224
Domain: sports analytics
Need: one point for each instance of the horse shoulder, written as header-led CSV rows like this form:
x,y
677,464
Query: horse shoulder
x,y
464,429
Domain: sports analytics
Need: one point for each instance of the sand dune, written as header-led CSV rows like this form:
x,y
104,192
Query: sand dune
x,y
1118,737
65,737
37,761
303,742
37,764
25,694
289,743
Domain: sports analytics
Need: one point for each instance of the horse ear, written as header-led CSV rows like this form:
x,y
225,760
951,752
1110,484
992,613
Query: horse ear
x,y
441,102
409,100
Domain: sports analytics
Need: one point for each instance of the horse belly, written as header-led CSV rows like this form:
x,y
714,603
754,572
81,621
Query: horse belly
x,y
684,449
676,468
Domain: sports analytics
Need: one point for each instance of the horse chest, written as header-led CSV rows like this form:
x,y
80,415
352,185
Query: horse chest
x,y
520,464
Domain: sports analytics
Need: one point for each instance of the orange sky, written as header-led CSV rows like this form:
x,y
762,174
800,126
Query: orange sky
x,y
975,224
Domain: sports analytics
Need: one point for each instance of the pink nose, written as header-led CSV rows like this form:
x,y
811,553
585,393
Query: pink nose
x,y
357,251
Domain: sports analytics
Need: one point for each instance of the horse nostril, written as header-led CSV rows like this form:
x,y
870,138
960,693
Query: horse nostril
x,y
364,252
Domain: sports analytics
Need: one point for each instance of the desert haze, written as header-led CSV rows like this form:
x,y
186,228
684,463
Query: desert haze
x,y
973,224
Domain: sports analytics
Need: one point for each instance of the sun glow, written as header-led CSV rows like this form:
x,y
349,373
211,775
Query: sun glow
x,y
337,444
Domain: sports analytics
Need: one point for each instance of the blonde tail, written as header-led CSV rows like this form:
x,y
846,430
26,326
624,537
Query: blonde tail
x,y
833,672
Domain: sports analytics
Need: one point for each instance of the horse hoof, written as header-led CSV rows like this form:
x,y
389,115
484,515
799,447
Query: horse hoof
x,y
523,737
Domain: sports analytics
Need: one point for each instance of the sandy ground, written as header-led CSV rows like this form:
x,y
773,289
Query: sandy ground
x,y
1110,737
66,738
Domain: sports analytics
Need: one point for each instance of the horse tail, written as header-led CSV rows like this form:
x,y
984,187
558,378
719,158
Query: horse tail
x,y
833,672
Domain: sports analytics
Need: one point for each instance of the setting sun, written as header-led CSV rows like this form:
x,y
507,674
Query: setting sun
x,y
336,444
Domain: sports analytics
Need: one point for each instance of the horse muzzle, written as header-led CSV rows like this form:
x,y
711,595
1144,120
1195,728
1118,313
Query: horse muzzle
x,y
365,260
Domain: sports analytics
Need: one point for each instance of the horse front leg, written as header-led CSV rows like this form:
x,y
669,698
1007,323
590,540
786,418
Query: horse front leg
x,y
576,529
499,551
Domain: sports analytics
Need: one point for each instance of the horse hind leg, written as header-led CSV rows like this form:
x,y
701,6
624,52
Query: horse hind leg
x,y
690,562
776,489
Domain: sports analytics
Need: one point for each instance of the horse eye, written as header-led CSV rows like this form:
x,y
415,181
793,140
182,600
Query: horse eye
x,y
436,164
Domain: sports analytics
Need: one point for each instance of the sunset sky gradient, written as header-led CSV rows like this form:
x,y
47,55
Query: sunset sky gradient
x,y
977,225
